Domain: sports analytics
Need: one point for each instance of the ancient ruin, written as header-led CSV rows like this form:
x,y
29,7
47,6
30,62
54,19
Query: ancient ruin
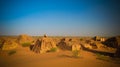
x,y
44,45
23,38
115,43
98,38
69,44
8,44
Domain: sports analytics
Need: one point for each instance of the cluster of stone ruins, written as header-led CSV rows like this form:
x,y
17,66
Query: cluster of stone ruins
x,y
45,44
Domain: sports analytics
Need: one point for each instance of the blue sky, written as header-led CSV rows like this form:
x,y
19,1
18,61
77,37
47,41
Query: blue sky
x,y
60,17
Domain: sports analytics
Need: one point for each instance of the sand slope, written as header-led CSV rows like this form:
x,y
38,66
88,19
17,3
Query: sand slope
x,y
26,58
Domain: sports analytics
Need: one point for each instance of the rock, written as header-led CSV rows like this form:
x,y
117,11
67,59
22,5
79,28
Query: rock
x,y
1,43
76,47
100,46
115,43
69,44
98,38
87,46
36,46
9,44
117,53
43,45
94,46
46,44
63,45
24,38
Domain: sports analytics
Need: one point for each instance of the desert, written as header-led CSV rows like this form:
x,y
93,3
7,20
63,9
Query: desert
x,y
16,51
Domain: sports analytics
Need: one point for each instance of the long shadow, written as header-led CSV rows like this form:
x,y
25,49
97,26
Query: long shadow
x,y
68,56
100,52
65,56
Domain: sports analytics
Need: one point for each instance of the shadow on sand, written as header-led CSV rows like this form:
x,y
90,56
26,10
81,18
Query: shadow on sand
x,y
100,52
65,56
68,56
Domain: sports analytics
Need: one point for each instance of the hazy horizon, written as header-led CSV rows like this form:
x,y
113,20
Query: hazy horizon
x,y
60,17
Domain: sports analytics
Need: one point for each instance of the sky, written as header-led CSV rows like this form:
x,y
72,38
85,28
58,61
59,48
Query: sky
x,y
60,17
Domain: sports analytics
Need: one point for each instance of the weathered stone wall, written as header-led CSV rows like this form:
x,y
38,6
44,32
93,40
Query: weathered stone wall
x,y
46,44
24,38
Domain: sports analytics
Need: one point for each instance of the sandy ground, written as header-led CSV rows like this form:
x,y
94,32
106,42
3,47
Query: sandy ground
x,y
26,58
